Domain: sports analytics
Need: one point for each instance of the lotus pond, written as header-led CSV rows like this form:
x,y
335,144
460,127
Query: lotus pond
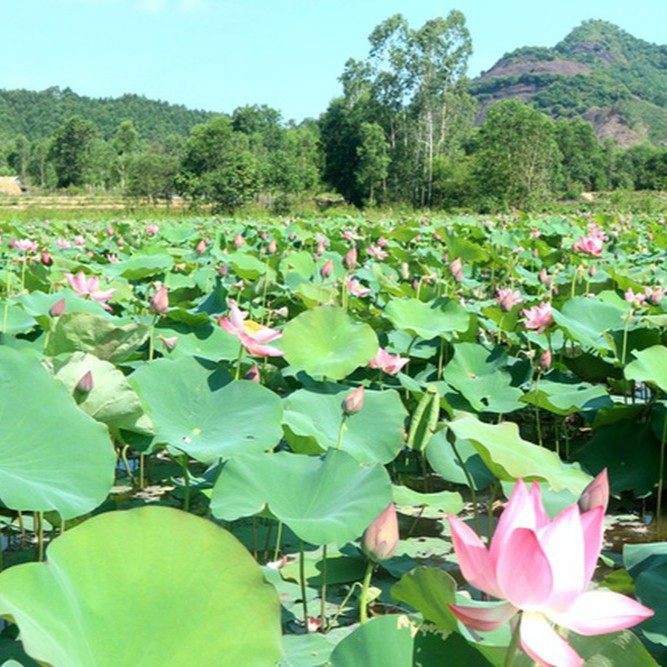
x,y
333,441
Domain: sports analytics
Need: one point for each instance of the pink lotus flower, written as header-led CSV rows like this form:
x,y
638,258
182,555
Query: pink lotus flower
x,y
350,259
90,287
252,335
327,269
273,246
456,269
389,363
589,245
596,494
542,568
63,244
238,240
152,230
539,317
631,297
356,288
79,241
377,252
380,540
508,298
159,303
26,245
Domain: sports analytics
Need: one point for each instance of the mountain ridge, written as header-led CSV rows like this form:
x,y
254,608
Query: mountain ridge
x,y
598,72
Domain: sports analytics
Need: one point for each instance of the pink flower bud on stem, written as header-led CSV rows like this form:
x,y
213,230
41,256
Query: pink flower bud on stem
x,y
58,308
353,402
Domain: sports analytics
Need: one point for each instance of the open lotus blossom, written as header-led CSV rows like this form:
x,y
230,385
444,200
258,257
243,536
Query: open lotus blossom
x,y
538,318
356,288
541,568
631,297
152,229
508,298
25,245
90,287
253,336
377,252
389,363
589,245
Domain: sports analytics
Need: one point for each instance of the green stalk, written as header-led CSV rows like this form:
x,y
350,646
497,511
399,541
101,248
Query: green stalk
x,y
341,431
471,484
183,461
278,538
238,363
514,645
363,601
661,479
323,598
302,581
38,518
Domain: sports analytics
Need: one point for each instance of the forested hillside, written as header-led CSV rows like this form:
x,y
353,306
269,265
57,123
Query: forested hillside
x,y
37,115
598,72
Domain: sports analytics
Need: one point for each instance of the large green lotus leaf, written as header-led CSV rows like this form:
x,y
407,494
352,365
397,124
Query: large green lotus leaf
x,y
53,456
429,590
38,304
249,267
305,651
151,586
630,452
325,341
324,500
111,400
650,365
300,263
651,589
141,266
449,502
509,457
205,341
372,435
103,337
428,320
201,413
616,649
441,457
567,398
588,320
397,641
480,375
13,319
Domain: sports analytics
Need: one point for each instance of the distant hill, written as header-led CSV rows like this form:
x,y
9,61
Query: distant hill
x,y
598,72
39,114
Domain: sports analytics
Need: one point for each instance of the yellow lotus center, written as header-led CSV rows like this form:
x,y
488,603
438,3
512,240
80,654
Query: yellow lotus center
x,y
251,327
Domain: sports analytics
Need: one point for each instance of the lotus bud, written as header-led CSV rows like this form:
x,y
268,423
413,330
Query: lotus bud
x,y
46,258
169,342
592,270
273,246
545,360
85,384
238,240
354,401
253,374
223,270
58,308
350,259
326,269
456,267
160,300
321,247
380,539
596,494
200,248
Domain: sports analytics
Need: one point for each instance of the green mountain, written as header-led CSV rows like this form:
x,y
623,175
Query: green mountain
x,y
598,72
39,114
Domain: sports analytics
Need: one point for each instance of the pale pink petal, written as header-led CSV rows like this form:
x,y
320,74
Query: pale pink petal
x,y
541,517
92,284
264,335
236,316
521,511
523,571
104,295
563,544
598,612
544,645
228,326
260,350
592,524
596,493
484,619
77,282
473,558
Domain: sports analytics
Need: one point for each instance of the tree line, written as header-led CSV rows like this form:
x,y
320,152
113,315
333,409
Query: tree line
x,y
405,130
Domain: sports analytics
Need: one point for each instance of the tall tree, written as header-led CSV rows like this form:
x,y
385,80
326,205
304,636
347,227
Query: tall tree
x,y
373,154
518,159
71,150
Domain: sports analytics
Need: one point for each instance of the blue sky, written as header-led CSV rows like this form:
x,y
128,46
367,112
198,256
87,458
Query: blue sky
x,y
220,54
